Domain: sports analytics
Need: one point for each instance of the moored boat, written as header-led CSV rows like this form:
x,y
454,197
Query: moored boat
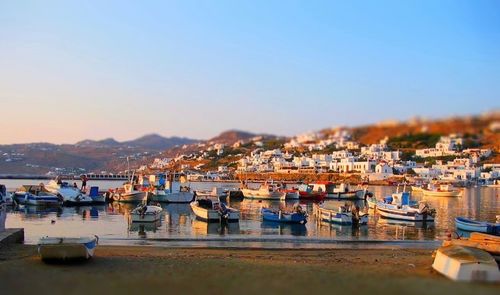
x,y
444,190
296,216
466,224
211,209
466,264
398,206
266,191
131,193
146,213
70,195
35,195
344,215
342,191
308,192
62,248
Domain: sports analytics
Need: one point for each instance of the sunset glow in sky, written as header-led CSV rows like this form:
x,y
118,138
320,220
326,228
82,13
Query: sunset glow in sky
x,y
97,69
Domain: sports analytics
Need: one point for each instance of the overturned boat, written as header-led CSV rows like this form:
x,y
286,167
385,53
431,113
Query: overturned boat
x,y
62,248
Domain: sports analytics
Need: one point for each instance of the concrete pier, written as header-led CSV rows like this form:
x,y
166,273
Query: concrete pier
x,y
11,236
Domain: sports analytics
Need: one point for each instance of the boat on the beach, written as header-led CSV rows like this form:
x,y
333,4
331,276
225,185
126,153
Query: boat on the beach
x,y
146,213
35,195
486,242
443,190
399,206
70,195
308,192
63,248
466,264
211,209
345,215
267,191
298,215
470,225
342,191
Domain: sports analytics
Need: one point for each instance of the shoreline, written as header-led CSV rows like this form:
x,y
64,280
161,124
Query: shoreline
x,y
156,270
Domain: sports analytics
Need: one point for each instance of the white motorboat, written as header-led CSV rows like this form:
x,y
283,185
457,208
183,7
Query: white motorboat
x,y
146,213
344,215
166,195
35,195
70,195
212,209
130,193
63,248
398,207
265,191
443,190
466,264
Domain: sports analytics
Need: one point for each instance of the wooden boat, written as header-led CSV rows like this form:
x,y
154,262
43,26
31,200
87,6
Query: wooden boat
x,y
444,190
60,248
35,195
342,191
488,243
398,206
297,216
146,213
344,215
131,193
477,226
213,210
265,192
307,192
466,264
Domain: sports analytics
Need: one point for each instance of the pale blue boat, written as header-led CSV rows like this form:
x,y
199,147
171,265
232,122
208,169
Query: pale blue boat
x,y
284,217
477,226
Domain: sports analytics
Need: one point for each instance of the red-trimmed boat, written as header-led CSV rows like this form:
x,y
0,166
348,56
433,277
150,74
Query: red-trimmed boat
x,y
307,192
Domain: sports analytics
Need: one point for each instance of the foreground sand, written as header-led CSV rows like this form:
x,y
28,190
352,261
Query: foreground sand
x,y
148,270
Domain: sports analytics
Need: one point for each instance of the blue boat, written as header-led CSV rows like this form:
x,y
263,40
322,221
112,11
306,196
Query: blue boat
x,y
284,217
477,226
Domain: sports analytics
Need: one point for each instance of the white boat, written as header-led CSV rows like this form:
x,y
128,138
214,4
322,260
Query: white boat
x,y
69,194
444,190
265,191
35,195
213,210
62,248
170,192
130,193
466,264
344,215
146,213
216,192
342,191
398,207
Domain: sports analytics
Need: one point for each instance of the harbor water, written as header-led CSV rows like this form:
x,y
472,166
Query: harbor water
x,y
110,221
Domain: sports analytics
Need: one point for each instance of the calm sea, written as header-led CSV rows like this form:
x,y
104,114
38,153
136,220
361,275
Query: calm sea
x,y
110,222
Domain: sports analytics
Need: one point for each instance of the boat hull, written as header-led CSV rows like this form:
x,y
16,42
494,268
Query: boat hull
x,y
355,195
66,248
476,226
402,214
30,199
269,215
263,195
178,197
338,217
133,197
429,193
210,215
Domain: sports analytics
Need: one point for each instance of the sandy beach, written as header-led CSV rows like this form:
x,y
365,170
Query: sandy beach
x,y
156,270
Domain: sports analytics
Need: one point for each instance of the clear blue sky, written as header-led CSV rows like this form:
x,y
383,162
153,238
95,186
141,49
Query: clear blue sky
x,y
72,70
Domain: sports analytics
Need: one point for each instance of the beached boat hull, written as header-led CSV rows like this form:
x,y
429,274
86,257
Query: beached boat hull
x,y
269,215
466,264
213,215
263,195
66,248
178,197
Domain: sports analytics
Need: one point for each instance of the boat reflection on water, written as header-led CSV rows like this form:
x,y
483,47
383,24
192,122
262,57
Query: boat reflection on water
x,y
143,227
33,212
200,227
333,230
273,228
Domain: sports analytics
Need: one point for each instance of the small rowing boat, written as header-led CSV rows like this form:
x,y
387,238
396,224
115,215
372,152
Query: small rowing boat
x,y
345,215
296,216
444,190
62,248
466,224
211,209
267,191
146,213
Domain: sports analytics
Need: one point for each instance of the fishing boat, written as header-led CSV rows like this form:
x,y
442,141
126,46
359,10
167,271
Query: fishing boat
x,y
342,191
70,195
298,215
465,224
345,215
35,195
398,206
62,248
5,196
165,190
131,193
146,213
211,209
466,264
308,192
267,191
291,194
444,190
